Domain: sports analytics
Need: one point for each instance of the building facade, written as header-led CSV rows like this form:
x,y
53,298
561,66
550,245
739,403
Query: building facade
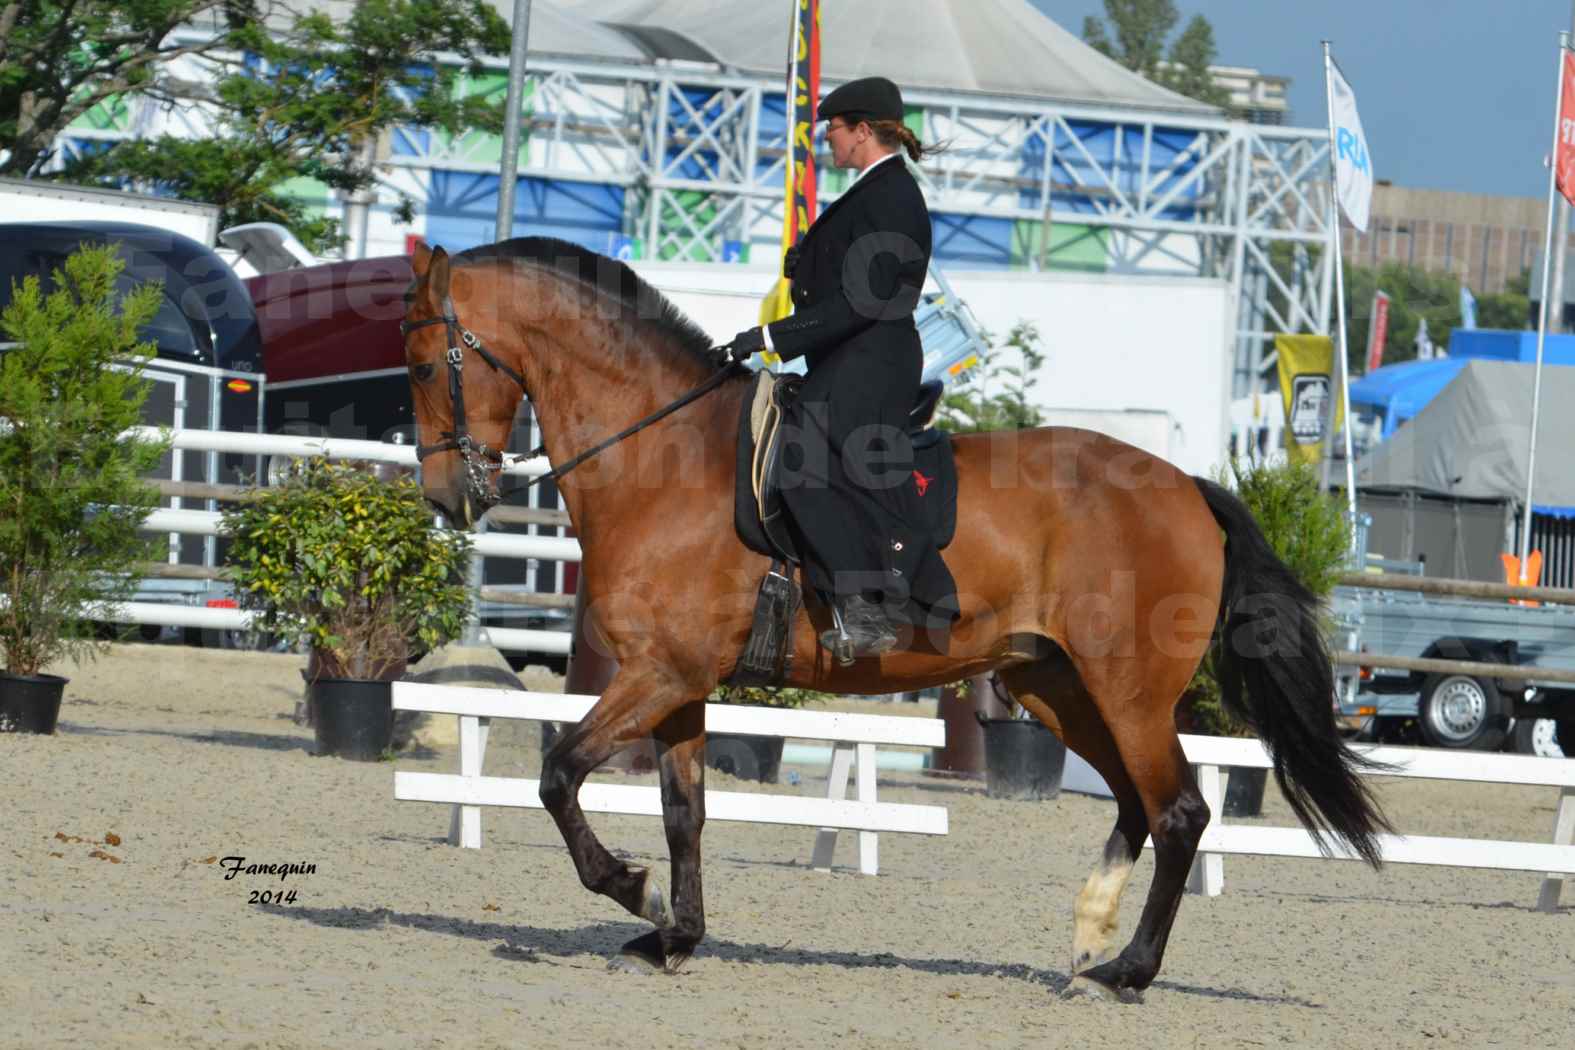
x,y
1484,241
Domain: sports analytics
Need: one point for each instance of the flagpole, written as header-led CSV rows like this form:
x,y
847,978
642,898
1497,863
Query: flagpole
x,y
791,112
1542,314
1342,354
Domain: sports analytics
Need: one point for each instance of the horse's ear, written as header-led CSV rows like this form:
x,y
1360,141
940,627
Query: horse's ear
x,y
437,276
420,259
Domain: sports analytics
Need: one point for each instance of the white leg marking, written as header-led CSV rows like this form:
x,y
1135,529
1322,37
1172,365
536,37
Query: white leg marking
x,y
1096,911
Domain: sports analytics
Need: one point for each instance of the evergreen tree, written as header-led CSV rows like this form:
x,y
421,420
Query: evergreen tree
x,y
1140,26
72,494
1190,58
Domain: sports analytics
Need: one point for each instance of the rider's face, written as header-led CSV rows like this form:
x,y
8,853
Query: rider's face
x,y
843,140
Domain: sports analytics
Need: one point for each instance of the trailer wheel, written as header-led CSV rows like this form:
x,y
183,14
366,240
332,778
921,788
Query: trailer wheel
x,y
1536,736
1565,736
1460,711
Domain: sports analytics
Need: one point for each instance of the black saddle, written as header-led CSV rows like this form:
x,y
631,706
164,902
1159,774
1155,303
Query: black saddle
x,y
759,513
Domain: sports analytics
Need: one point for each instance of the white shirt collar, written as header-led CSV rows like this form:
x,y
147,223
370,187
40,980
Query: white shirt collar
x,y
875,164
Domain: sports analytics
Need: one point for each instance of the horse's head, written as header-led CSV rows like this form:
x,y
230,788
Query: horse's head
x,y
464,405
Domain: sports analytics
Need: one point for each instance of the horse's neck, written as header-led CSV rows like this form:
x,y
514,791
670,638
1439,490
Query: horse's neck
x,y
588,398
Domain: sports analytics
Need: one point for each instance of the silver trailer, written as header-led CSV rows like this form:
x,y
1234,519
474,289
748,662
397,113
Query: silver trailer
x,y
1455,710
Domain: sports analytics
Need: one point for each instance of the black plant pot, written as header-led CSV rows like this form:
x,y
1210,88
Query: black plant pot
x,y
746,757
30,703
355,719
1244,791
1023,759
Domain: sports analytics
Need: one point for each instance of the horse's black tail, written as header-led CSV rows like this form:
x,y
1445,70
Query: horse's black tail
x,y
1276,675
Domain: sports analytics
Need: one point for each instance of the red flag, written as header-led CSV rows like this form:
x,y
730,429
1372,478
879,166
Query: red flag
x,y
1378,331
1564,145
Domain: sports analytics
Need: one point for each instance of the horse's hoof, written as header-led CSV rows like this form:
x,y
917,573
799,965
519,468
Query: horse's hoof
x,y
1082,985
653,903
641,956
633,964
675,961
1088,960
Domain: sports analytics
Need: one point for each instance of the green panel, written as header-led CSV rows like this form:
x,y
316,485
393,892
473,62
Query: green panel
x,y
314,194
1073,246
480,146
700,206
112,114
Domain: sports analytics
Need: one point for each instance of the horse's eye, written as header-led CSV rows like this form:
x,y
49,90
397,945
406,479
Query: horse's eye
x,y
421,372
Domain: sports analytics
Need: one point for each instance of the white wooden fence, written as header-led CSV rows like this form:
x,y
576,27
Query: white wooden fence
x,y
854,738
1211,755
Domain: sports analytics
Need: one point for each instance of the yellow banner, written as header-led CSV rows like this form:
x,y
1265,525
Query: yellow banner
x,y
1307,388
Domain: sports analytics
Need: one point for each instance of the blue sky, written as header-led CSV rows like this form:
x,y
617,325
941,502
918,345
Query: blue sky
x,y
1454,94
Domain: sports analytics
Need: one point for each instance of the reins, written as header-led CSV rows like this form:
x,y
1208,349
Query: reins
x,y
458,439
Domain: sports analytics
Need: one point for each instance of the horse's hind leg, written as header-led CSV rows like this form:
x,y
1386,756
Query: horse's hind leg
x,y
1054,694
639,698
1139,714
681,742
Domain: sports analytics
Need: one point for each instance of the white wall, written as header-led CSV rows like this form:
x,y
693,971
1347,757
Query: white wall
x,y
1112,343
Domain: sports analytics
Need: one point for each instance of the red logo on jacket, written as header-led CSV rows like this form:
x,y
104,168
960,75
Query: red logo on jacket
x,y
921,481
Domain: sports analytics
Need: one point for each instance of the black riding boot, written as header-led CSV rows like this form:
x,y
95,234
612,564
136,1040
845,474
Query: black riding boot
x,y
859,628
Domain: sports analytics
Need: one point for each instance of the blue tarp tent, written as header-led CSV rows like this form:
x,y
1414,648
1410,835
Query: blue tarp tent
x,y
1395,393
1398,392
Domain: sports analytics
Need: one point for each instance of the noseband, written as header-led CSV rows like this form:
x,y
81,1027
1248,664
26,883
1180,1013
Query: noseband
x,y
477,456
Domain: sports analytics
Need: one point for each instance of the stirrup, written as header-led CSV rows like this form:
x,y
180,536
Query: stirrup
x,y
837,641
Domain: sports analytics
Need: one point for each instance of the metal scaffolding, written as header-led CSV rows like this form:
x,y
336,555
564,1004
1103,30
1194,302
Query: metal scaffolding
x,y
698,152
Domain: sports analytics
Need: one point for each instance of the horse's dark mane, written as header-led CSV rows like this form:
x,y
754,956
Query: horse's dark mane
x,y
642,303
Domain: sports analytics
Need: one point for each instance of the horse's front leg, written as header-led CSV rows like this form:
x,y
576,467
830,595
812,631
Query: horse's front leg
x,y
681,743
639,699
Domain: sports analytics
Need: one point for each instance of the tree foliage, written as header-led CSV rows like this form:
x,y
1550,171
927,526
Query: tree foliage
x,y
350,564
1414,294
313,100
1141,28
1190,58
72,497
287,95
994,394
59,60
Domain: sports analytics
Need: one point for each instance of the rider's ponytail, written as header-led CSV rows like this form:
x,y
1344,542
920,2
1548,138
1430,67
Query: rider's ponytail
x,y
892,133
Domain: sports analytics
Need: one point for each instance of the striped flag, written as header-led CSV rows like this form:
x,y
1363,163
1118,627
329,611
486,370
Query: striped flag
x,y
803,95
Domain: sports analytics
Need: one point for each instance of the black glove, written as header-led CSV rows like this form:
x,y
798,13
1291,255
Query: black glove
x,y
746,343
790,262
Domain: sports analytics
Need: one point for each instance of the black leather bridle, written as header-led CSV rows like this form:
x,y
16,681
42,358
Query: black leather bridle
x,y
477,456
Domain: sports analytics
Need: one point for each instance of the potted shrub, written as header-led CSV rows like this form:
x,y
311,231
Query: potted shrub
x,y
1023,758
72,497
1307,528
752,757
349,564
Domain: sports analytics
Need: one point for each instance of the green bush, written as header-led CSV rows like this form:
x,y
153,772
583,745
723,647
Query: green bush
x,y
72,496
1307,528
763,696
351,565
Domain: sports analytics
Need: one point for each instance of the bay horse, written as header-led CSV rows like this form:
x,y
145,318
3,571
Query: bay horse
x,y
1091,576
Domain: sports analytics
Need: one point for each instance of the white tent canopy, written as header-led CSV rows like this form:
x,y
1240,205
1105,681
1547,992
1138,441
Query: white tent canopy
x,y
994,47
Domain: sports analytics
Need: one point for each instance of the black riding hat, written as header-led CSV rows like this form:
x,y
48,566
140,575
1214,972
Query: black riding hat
x,y
873,98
